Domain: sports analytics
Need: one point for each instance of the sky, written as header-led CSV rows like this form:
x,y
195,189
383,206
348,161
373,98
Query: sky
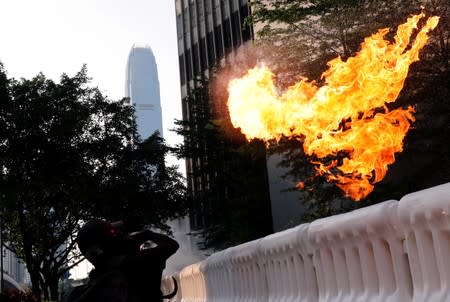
x,y
59,36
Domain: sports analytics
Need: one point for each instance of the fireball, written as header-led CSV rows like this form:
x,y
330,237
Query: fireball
x,y
348,113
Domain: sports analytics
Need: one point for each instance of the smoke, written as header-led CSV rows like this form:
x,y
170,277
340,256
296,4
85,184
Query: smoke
x,y
288,71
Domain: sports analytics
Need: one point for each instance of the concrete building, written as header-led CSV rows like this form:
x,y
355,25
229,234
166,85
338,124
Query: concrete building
x,y
209,33
15,274
142,87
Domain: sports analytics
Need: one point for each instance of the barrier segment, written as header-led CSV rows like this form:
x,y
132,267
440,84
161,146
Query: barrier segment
x,y
247,275
186,284
218,281
288,267
359,255
192,284
167,286
425,219
198,281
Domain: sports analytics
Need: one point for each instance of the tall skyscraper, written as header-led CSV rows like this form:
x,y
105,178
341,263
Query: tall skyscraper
x,y
142,87
209,32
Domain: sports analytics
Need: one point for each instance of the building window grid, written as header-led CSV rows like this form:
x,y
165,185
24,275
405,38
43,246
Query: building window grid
x,y
219,39
207,51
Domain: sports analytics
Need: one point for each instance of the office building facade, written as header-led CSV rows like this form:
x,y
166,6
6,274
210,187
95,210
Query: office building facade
x,y
208,30
209,34
142,87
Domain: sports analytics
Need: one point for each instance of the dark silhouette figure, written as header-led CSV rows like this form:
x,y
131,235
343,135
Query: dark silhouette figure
x,y
126,270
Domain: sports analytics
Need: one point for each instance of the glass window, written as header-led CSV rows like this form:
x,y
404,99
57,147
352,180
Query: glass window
x,y
194,22
195,60
210,24
188,65
186,28
202,49
180,43
236,28
182,71
179,26
208,7
210,51
246,31
216,11
227,35
225,9
218,40
200,11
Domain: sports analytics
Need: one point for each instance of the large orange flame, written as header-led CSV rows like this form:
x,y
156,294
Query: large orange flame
x,y
348,113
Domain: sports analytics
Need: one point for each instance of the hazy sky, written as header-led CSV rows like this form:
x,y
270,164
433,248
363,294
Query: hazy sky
x,y
56,36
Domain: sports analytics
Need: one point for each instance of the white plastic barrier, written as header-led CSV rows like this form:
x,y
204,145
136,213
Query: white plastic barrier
x,y
192,284
425,218
186,285
288,266
168,286
246,273
392,251
359,256
198,282
218,281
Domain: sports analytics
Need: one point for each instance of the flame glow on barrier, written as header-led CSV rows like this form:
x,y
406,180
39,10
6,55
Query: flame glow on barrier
x,y
347,114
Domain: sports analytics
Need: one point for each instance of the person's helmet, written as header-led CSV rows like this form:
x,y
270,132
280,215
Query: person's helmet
x,y
95,238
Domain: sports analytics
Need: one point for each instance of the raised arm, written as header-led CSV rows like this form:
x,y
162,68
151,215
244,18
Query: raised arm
x,y
166,246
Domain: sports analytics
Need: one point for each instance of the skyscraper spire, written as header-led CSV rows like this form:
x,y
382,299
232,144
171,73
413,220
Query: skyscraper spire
x,y
142,87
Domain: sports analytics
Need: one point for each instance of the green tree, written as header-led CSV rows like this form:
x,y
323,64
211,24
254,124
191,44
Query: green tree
x,y
67,154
